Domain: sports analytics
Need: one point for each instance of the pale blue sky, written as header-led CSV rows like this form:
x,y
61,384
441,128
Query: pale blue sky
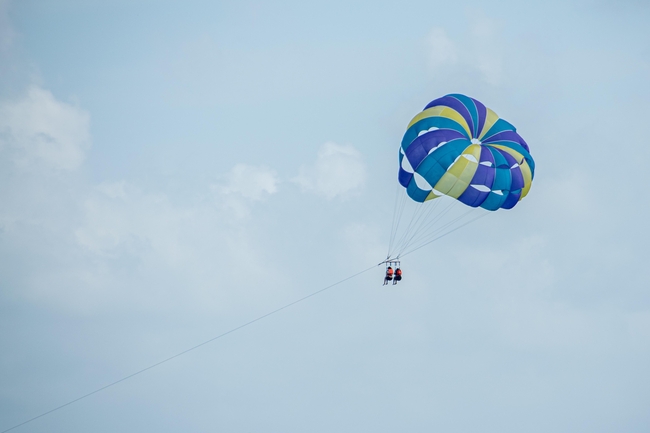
x,y
171,170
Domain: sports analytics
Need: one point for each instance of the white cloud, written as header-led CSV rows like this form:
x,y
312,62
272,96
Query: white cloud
x,y
251,182
141,245
39,129
243,185
338,172
121,218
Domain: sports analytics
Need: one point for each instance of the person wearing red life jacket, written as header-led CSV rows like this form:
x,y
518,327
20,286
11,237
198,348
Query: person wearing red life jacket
x,y
389,275
398,276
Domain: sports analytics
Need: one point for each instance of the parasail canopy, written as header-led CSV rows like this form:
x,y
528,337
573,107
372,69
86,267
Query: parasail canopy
x,y
459,148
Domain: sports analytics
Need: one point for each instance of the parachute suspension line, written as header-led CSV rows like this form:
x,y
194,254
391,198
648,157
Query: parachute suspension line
x,y
445,234
418,214
433,226
401,206
414,216
401,237
398,207
426,224
404,199
277,310
433,232
427,221
392,224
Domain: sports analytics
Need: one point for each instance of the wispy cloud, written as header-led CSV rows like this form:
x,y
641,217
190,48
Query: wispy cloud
x,y
339,171
486,49
478,50
40,130
442,50
249,181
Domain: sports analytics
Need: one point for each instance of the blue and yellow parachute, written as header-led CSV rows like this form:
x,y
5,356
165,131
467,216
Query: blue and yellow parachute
x,y
459,148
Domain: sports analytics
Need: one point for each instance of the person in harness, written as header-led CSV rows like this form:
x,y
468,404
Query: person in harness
x,y
389,275
398,276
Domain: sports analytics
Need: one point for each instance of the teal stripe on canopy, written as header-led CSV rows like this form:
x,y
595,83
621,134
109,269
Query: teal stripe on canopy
x,y
416,193
503,178
499,126
436,164
494,201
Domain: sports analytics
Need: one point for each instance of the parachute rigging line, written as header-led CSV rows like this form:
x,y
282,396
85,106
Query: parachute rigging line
x,y
415,218
423,223
443,235
434,230
398,210
392,224
424,220
277,310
